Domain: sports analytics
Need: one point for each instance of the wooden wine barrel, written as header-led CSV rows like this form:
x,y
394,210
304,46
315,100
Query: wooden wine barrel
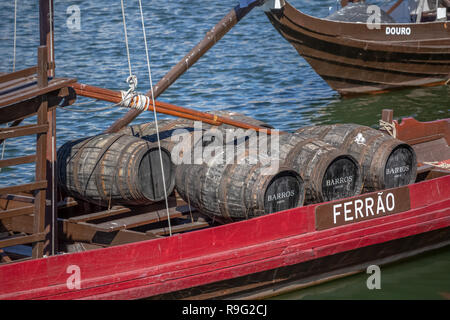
x,y
237,191
386,162
114,168
328,173
178,136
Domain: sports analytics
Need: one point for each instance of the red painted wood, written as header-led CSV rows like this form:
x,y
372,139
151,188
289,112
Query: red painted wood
x,y
199,257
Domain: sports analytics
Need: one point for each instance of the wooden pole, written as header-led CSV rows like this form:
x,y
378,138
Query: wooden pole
x,y
165,108
46,39
211,37
40,210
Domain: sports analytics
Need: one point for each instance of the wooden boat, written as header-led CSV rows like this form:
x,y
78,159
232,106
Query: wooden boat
x,y
355,57
83,251
254,258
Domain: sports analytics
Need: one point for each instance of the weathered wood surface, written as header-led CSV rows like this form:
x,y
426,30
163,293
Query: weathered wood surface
x,y
353,61
31,90
413,132
240,189
386,162
329,173
28,107
114,168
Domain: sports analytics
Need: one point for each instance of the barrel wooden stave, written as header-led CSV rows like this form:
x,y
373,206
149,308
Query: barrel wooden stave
x,y
114,168
317,162
168,128
235,191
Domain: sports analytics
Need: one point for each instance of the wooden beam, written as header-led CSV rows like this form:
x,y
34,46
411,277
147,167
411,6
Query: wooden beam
x,y
18,74
101,214
86,232
179,228
141,219
29,106
36,238
17,161
37,185
34,91
165,108
17,197
4,214
42,77
41,174
8,133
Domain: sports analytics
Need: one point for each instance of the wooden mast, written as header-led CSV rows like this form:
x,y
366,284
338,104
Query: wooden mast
x,y
211,37
46,39
165,108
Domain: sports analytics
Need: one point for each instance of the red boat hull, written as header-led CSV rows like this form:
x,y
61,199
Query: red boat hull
x,y
238,258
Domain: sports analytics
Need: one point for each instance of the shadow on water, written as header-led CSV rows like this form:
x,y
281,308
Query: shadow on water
x,y
424,276
424,104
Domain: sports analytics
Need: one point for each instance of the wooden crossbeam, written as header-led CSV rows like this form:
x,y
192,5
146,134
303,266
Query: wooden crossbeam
x,y
17,161
37,185
16,212
179,228
101,214
141,219
18,74
13,241
34,91
25,131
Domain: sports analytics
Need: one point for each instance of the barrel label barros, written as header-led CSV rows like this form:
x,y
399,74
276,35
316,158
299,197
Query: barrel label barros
x,y
397,170
281,195
364,207
338,181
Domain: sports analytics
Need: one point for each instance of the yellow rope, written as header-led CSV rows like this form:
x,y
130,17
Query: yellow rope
x,y
389,127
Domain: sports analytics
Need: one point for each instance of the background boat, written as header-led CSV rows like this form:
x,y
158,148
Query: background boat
x,y
355,57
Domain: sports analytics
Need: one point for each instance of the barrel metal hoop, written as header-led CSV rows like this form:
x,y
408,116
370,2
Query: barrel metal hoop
x,y
224,182
76,159
116,172
97,168
244,191
137,155
290,156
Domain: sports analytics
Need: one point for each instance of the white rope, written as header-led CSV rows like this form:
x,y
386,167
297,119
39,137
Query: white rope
x,y
53,195
14,45
126,37
50,8
156,118
389,127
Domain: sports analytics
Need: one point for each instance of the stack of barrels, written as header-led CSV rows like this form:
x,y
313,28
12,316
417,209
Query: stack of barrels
x,y
311,165
386,162
115,168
